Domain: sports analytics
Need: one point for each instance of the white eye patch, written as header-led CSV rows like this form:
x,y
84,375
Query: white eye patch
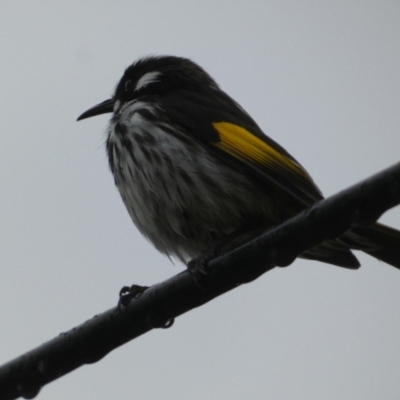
x,y
147,78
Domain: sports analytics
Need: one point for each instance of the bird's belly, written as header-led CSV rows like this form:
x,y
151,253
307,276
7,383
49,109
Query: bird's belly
x,y
178,194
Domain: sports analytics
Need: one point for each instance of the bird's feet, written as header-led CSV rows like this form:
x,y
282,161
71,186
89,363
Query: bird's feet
x,y
199,265
199,268
127,293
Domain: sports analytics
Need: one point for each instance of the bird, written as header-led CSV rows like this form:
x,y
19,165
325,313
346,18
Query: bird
x,y
196,172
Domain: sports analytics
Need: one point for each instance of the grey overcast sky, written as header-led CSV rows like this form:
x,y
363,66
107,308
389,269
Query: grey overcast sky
x,y
321,78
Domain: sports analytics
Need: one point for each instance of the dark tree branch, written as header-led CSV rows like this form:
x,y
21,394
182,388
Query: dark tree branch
x,y
361,204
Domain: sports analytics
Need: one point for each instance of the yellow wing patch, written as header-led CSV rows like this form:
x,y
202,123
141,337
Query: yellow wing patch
x,y
242,144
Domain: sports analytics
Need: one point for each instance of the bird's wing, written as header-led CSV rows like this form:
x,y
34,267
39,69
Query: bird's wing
x,y
227,129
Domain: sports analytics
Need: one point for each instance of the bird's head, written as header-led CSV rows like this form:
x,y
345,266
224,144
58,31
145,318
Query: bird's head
x,y
154,76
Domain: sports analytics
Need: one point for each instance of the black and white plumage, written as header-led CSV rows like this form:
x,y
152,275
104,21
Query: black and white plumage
x,y
193,167
172,186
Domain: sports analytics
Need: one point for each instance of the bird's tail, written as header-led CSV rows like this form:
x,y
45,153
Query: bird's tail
x,y
377,240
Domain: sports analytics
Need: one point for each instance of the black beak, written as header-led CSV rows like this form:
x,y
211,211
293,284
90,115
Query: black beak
x,y
102,108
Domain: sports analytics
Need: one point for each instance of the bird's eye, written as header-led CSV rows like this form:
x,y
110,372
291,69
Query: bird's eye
x,y
128,85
